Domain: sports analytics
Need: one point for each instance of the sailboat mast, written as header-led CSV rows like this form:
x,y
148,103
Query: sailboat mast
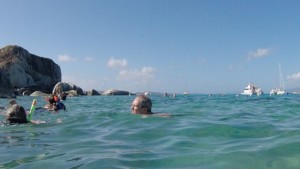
x,y
281,80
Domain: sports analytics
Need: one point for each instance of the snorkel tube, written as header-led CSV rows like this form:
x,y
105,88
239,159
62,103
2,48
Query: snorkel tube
x,y
31,110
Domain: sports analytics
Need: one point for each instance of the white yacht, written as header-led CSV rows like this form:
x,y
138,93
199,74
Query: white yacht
x,y
280,90
185,93
251,89
277,91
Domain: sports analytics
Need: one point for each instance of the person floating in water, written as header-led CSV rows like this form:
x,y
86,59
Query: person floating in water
x,y
54,103
141,105
16,114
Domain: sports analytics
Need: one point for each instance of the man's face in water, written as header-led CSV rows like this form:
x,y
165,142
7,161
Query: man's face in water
x,y
136,107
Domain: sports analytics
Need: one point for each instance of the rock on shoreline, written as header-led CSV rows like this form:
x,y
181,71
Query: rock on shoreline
x,y
21,69
26,74
68,88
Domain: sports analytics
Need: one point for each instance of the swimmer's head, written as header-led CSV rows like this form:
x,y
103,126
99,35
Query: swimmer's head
x,y
16,114
51,99
12,102
141,105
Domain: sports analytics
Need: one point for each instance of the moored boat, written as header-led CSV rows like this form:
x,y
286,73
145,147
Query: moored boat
x,y
185,93
251,89
281,89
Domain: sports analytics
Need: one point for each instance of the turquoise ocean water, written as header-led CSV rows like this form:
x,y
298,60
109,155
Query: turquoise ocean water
x,y
217,132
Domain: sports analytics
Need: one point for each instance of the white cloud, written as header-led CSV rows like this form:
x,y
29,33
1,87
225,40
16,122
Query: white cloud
x,y
66,58
112,62
145,73
259,53
295,76
88,59
148,70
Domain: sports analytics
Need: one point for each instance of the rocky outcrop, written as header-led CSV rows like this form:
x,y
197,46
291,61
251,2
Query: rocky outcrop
x,y
21,69
116,92
93,92
68,88
27,91
71,93
39,93
6,90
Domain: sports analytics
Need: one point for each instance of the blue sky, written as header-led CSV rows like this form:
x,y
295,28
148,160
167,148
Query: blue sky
x,y
200,46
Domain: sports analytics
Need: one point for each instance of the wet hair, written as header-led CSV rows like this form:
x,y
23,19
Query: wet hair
x,y
16,114
145,102
12,102
63,96
51,99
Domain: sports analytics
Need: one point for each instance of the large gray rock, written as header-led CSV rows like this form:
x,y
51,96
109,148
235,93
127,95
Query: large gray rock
x,y
116,92
93,92
63,87
71,93
21,69
6,90
39,93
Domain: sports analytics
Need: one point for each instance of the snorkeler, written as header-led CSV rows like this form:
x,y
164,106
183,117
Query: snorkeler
x,y
17,114
54,103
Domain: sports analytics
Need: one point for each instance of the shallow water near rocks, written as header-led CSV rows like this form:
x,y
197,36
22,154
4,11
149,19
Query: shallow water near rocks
x,y
216,132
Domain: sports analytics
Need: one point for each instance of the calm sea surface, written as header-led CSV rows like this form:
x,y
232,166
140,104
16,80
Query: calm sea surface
x,y
217,132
